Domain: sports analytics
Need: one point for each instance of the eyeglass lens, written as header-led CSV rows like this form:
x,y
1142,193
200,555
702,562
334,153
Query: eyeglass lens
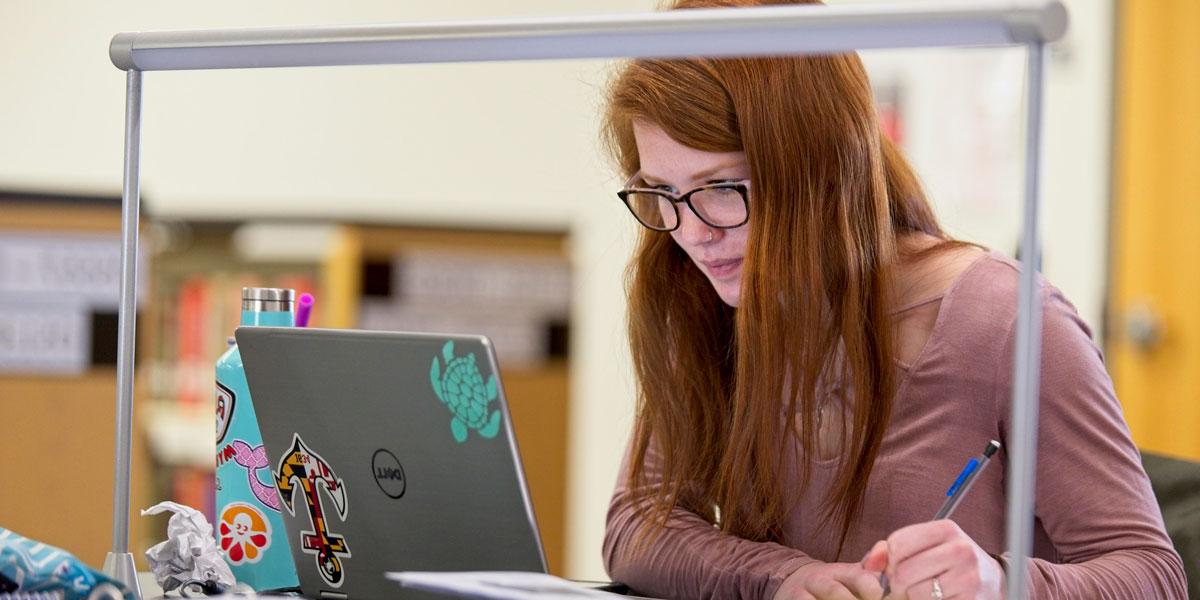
x,y
719,207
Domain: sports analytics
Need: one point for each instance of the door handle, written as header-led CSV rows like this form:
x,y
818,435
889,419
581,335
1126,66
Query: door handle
x,y
1143,326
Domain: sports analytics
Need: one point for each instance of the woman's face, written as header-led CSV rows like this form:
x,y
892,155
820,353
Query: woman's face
x,y
718,253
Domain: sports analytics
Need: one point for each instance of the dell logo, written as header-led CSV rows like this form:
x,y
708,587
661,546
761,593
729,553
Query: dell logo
x,y
389,475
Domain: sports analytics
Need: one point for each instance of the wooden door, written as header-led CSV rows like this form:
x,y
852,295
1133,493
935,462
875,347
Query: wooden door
x,y
1154,305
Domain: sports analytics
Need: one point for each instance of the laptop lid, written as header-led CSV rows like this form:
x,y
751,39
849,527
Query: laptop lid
x,y
391,451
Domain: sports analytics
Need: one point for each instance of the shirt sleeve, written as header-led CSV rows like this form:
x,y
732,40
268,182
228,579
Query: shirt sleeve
x,y
1092,496
689,558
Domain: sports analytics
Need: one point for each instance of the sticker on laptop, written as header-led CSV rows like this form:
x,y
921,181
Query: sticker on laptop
x,y
225,402
303,468
252,459
244,533
460,386
389,474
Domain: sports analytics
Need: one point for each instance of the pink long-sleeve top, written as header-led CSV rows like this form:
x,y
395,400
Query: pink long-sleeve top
x,y
1098,529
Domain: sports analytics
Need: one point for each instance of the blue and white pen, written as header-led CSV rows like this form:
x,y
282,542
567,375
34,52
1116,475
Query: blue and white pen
x,y
965,480
957,490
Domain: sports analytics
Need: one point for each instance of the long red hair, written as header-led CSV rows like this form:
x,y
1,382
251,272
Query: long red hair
x,y
831,194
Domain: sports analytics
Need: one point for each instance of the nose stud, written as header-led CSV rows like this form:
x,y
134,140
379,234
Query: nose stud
x,y
710,236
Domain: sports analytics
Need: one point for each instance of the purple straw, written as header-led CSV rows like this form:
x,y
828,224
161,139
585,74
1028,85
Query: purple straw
x,y
304,309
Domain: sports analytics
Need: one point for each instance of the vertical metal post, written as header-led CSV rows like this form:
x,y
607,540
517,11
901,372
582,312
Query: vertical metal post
x,y
119,562
1022,445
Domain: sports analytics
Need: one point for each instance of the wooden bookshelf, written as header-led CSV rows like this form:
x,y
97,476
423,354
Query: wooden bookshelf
x,y
62,446
195,279
538,393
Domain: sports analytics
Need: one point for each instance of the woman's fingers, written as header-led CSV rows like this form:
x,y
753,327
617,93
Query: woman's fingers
x,y
924,591
948,556
863,584
876,558
914,539
955,555
831,581
832,590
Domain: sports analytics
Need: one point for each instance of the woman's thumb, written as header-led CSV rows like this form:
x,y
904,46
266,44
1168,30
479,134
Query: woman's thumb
x,y
877,557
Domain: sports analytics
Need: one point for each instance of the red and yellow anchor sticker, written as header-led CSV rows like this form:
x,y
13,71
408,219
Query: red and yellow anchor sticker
x,y
244,533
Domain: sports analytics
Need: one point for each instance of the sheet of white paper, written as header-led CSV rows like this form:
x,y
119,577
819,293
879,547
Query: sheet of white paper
x,y
497,585
189,553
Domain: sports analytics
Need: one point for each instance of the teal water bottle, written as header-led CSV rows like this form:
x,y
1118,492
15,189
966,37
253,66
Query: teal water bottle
x,y
249,526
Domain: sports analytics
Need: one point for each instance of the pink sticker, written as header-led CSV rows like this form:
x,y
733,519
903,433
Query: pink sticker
x,y
253,459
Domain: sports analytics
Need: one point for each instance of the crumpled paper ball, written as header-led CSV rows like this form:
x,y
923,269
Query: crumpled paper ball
x,y
190,553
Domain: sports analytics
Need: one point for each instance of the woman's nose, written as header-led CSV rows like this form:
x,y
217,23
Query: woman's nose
x,y
691,229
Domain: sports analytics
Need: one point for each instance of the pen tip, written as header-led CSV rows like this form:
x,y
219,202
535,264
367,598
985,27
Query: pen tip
x,y
991,449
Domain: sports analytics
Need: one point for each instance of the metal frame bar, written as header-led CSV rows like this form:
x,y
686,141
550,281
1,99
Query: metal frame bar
x,y
704,32
130,206
707,32
1028,349
119,562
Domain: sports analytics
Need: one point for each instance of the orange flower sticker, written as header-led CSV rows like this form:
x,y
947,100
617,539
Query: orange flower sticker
x,y
245,533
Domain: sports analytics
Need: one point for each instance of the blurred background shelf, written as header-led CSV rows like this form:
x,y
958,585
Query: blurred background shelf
x,y
512,286
57,424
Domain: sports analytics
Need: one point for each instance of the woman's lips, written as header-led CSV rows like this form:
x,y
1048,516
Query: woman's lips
x,y
722,268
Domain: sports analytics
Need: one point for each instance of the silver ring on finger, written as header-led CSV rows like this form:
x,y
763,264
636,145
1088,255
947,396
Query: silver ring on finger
x,y
937,590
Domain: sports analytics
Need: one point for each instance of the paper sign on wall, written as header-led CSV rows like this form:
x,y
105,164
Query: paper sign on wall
x,y
44,339
83,267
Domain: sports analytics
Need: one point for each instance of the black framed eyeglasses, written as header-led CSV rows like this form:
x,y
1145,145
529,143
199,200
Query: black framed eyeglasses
x,y
722,205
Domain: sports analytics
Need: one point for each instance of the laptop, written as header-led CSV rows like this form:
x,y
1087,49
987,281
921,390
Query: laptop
x,y
392,452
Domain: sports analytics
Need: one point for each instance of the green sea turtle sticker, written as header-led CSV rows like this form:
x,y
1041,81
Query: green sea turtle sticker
x,y
459,385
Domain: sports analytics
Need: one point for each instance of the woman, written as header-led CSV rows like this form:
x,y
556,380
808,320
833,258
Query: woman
x,y
816,360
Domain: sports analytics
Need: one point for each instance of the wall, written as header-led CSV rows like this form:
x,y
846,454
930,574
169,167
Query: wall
x,y
428,143
493,144
963,112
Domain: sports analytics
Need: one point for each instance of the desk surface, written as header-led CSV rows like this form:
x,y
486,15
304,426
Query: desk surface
x,y
152,591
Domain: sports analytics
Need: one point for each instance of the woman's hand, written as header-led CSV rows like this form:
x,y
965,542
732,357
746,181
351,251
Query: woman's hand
x,y
831,581
918,556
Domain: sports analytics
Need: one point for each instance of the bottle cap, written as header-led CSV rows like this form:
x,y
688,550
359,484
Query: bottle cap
x,y
268,299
